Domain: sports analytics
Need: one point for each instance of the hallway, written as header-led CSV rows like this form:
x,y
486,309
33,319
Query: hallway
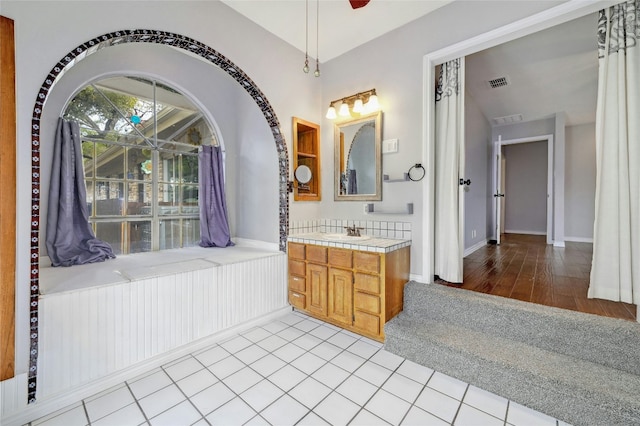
x,y
524,267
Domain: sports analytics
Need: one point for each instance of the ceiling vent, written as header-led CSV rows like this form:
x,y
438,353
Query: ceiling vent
x,y
498,82
507,119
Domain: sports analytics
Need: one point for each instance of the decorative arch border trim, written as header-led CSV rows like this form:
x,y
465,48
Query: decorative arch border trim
x,y
80,52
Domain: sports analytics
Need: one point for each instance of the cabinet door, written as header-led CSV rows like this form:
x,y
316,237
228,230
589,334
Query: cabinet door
x,y
341,295
317,289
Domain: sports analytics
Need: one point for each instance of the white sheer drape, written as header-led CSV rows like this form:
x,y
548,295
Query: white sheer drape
x,y
615,272
449,156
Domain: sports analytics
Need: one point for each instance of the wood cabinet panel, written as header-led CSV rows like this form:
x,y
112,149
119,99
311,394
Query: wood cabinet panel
x,y
367,282
8,197
317,254
297,300
296,251
341,295
368,323
366,262
367,302
297,283
340,258
317,295
297,267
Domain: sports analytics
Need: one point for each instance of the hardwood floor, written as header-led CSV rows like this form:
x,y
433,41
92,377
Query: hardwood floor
x,y
524,267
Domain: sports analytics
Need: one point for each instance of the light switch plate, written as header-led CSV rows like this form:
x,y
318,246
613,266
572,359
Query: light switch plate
x,y
389,146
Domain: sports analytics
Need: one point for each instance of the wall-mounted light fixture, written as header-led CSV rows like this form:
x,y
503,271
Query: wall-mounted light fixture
x,y
361,103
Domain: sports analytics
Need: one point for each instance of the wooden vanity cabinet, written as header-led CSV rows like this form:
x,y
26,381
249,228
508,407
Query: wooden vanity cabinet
x,y
353,289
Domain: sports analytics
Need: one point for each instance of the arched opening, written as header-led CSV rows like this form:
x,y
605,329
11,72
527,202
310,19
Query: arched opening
x,y
186,44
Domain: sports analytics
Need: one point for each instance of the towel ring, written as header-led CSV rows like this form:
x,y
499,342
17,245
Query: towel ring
x,y
415,177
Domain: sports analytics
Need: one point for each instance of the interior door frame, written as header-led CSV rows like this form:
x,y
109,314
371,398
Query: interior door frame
x,y
500,144
553,16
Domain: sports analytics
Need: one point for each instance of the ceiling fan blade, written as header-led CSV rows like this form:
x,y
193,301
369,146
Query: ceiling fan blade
x,y
356,4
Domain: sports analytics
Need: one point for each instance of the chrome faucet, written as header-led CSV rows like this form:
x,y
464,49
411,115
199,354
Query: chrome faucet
x,y
352,231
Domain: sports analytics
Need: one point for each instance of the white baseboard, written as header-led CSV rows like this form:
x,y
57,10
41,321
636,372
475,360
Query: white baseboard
x,y
519,231
245,242
579,239
475,247
416,277
558,244
50,404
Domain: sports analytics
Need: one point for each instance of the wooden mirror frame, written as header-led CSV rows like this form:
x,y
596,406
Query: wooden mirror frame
x,y
339,157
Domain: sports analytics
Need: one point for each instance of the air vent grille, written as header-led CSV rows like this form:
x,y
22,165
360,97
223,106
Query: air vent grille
x,y
507,119
498,82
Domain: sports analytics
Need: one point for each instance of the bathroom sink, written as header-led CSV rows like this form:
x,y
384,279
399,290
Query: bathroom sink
x,y
345,237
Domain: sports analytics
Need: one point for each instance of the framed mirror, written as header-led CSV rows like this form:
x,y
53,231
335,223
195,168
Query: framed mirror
x,y
358,158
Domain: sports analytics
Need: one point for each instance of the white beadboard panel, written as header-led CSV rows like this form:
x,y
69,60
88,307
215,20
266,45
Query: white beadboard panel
x,y
90,333
13,395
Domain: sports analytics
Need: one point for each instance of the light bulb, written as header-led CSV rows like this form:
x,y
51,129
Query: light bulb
x,y
358,106
344,110
306,64
331,113
373,104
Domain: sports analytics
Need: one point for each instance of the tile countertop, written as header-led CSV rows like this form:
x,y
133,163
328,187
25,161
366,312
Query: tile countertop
x,y
372,244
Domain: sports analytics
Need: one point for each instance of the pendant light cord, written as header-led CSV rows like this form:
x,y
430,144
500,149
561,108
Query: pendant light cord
x,y
317,71
306,41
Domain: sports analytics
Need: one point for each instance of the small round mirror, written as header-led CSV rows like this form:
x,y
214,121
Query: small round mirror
x,y
303,174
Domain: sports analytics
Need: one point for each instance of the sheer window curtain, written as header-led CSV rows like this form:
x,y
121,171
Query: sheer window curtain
x,y
70,239
214,222
615,271
449,164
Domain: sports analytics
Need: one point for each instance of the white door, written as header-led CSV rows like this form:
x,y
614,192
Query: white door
x,y
498,195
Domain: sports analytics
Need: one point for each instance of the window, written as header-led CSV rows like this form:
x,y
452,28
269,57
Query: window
x,y
140,142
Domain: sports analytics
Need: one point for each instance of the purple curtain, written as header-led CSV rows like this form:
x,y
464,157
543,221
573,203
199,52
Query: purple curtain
x,y
70,239
214,224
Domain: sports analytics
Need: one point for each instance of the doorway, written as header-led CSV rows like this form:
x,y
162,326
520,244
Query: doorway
x,y
527,186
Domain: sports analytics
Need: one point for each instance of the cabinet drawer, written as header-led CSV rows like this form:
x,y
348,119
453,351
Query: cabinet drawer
x,y
296,251
367,302
297,267
317,254
340,258
297,300
368,283
297,283
368,262
367,322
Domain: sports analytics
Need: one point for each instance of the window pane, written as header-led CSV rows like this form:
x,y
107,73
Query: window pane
x,y
111,233
110,161
169,234
139,164
139,236
168,198
190,199
89,185
87,158
189,169
109,196
169,168
190,232
139,196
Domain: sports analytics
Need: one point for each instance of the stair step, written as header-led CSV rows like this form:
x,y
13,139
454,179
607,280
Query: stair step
x,y
607,341
574,390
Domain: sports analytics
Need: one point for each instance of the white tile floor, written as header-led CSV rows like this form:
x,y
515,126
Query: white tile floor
x,y
295,370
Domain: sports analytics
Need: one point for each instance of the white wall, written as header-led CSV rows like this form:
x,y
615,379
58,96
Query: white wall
x,y
526,188
477,197
580,183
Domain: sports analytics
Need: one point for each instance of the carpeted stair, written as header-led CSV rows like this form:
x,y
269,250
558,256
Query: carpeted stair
x,y
580,368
